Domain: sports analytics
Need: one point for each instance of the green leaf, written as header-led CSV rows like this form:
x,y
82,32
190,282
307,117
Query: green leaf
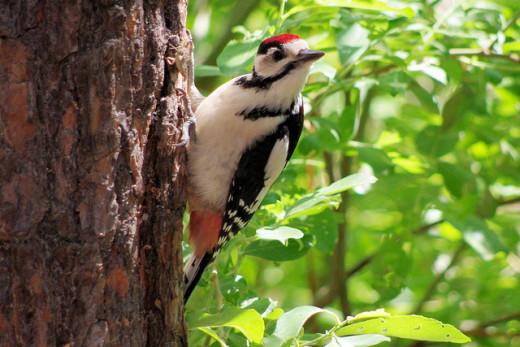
x,y
324,227
478,235
272,341
275,251
290,323
281,234
432,71
358,341
373,5
408,327
434,142
379,313
376,158
249,322
391,269
455,177
318,201
238,55
347,183
213,335
395,82
325,69
511,46
309,205
263,306
351,43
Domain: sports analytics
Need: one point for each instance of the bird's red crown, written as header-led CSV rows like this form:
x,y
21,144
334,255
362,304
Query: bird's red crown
x,y
284,38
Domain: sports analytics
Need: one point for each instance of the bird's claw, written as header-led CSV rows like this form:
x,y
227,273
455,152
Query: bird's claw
x,y
188,129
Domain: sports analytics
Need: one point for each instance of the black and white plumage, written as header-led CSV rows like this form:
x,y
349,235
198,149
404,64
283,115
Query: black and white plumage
x,y
247,130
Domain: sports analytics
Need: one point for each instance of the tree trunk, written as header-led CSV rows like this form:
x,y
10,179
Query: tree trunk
x,y
91,187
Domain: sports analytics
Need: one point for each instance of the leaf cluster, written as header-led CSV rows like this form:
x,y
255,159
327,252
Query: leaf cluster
x,y
424,95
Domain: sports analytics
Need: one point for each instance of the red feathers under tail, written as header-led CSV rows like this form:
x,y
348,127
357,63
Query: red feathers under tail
x,y
204,231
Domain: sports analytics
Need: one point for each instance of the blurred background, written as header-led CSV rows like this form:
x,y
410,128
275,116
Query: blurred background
x,y
423,95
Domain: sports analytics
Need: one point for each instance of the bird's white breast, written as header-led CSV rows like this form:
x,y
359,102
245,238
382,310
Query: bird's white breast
x,y
221,138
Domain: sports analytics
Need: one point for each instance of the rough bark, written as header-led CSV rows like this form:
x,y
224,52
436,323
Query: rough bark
x,y
91,188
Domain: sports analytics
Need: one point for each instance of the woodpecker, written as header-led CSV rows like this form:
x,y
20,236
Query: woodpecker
x,y
246,131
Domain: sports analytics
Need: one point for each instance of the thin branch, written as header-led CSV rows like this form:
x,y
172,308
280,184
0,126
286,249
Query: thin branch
x,y
506,318
502,202
504,28
338,257
361,265
311,274
476,52
216,285
423,229
433,286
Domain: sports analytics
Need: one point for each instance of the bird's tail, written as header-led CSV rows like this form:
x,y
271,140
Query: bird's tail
x,y
193,271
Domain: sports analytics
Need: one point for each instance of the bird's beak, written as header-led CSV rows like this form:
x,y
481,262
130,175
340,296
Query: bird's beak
x,y
307,55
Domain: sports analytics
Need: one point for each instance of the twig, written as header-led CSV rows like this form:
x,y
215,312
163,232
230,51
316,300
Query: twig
x,y
506,26
425,228
216,284
359,266
468,52
431,289
488,51
508,202
506,318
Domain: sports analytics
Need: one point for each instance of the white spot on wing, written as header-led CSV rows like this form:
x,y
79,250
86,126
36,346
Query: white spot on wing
x,y
273,169
241,223
232,214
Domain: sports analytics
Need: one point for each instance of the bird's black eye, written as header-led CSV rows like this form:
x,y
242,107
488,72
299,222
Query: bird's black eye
x,y
278,55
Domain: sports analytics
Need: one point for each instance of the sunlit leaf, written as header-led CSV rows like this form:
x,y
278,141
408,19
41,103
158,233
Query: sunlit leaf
x,y
351,43
238,55
281,234
347,183
374,5
478,235
248,322
276,251
263,306
318,201
290,323
309,205
213,335
358,341
325,69
409,327
379,313
434,72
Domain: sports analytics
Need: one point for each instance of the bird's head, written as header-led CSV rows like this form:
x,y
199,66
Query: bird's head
x,y
284,55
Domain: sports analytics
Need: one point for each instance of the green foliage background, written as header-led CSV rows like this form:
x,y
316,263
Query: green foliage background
x,y
423,95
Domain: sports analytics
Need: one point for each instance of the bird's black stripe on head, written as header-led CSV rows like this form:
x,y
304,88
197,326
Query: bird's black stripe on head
x,y
261,82
264,47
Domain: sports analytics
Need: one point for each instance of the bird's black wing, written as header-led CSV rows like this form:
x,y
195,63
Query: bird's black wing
x,y
257,170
